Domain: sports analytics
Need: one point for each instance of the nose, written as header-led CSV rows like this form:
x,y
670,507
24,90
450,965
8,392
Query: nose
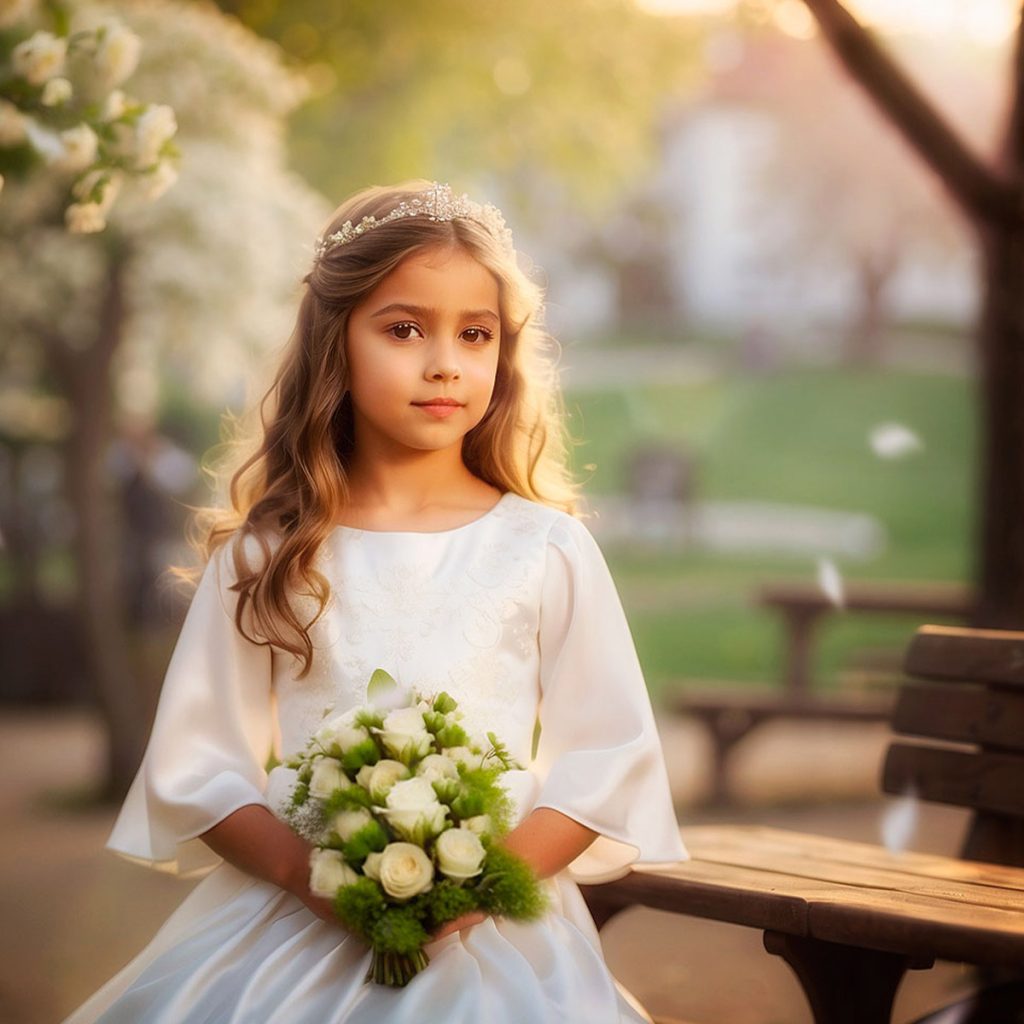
x,y
443,363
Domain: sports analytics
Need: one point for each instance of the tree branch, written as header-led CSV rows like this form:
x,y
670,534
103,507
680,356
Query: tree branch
x,y
980,190
1013,143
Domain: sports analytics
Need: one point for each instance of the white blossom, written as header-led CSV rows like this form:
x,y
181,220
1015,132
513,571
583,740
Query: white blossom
x,y
85,218
114,105
56,91
155,126
79,147
155,184
39,57
117,55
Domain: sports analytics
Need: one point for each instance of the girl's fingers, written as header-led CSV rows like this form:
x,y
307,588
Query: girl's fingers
x,y
473,917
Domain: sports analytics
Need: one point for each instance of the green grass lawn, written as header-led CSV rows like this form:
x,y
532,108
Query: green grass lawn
x,y
800,436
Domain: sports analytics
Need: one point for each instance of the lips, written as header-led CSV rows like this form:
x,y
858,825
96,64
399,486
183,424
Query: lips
x,y
440,402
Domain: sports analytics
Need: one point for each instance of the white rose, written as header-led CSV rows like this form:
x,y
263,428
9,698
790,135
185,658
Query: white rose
x,y
84,218
371,866
12,124
341,734
460,854
55,92
80,145
117,56
328,872
480,824
405,870
435,767
39,57
414,811
466,756
348,823
383,775
405,734
153,128
328,775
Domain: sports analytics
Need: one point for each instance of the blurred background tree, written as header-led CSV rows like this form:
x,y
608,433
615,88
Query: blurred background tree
x,y
990,194
102,331
527,97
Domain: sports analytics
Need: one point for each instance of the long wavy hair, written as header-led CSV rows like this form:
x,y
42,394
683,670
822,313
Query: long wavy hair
x,y
289,472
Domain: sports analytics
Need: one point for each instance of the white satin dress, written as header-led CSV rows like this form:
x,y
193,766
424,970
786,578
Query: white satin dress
x,y
516,615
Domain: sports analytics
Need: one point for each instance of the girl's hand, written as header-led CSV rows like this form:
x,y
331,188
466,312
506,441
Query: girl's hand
x,y
458,923
322,907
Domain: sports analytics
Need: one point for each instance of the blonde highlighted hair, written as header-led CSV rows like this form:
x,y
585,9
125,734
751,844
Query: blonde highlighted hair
x,y
288,474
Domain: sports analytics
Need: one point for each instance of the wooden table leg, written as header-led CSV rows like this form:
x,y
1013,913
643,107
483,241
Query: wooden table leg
x,y
843,984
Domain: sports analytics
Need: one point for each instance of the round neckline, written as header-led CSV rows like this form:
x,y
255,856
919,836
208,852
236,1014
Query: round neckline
x,y
428,533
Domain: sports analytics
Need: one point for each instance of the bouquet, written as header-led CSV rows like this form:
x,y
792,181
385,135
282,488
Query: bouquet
x,y
405,814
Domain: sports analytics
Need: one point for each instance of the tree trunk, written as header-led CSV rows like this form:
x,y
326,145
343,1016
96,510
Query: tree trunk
x,y
863,341
991,196
999,541
87,379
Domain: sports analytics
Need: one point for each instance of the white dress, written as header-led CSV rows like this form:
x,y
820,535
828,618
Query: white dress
x,y
516,615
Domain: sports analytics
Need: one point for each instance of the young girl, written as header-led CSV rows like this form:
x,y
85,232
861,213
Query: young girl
x,y
408,507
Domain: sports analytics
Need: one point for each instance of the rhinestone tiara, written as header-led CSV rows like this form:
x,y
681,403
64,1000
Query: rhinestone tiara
x,y
435,203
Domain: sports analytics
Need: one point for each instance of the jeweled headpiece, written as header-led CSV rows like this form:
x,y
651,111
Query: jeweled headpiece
x,y
435,203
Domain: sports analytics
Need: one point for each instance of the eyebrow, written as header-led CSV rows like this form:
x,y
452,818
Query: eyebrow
x,y
428,311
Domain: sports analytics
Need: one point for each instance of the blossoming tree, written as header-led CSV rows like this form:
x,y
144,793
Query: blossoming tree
x,y
100,321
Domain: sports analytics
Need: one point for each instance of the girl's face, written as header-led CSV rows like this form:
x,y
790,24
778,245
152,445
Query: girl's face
x,y
429,330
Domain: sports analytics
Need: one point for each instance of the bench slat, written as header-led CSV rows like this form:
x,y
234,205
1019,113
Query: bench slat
x,y
983,780
968,655
849,851
915,923
833,864
986,715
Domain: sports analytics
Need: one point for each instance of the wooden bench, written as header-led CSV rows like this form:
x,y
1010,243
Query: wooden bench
x,y
731,712
851,918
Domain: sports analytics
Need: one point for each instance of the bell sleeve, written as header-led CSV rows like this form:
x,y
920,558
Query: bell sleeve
x,y
211,737
599,757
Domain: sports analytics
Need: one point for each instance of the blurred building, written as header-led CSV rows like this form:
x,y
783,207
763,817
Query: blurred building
x,y
781,199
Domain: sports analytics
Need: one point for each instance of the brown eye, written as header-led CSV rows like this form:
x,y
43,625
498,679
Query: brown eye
x,y
482,335
402,327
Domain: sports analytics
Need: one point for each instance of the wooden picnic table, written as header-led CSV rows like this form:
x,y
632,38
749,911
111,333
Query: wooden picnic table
x,y
849,918
730,712
804,605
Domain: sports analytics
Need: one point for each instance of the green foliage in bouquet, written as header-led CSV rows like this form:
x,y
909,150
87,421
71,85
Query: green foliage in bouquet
x,y
405,813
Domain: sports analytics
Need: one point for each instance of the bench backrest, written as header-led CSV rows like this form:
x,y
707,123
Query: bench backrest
x,y
964,706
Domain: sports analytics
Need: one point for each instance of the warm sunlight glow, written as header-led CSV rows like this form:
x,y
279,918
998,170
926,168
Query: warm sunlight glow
x,y
989,22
